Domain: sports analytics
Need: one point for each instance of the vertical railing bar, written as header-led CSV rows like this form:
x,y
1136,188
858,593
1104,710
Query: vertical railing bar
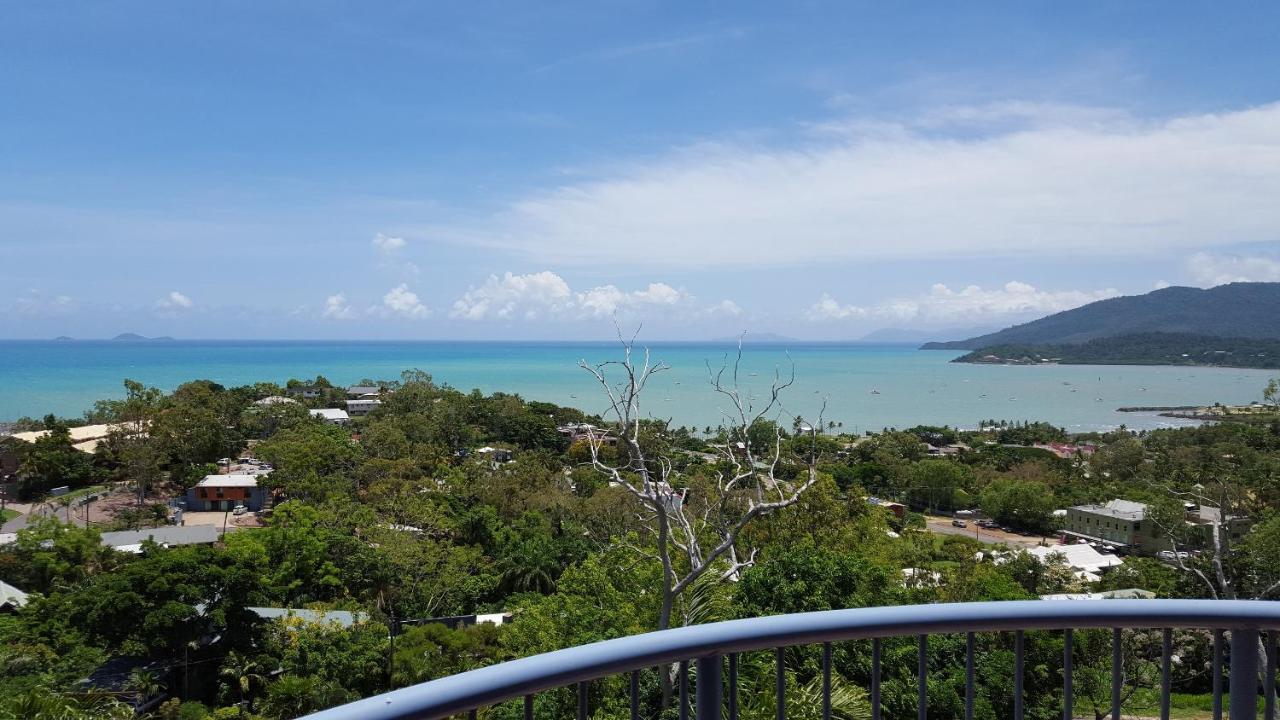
x,y
875,679
1068,674
709,688
1166,673
1243,674
968,676
922,677
582,700
634,691
1019,671
780,684
684,690
826,681
1217,675
1117,672
1270,678
528,708
733,686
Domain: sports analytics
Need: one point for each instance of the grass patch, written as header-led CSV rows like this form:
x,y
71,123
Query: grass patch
x,y
6,515
1186,706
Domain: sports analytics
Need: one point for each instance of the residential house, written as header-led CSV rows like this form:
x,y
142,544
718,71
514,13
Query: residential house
x,y
576,432
357,392
898,509
225,492
498,455
333,416
1088,563
275,400
342,618
359,407
307,392
169,536
84,438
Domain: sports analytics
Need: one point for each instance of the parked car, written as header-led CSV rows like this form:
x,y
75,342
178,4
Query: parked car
x,y
959,523
239,510
1171,555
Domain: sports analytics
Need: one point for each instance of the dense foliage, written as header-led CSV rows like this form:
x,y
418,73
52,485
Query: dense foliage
x,y
397,520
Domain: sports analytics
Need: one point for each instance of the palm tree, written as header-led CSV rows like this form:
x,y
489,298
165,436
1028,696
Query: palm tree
x,y
145,683
242,672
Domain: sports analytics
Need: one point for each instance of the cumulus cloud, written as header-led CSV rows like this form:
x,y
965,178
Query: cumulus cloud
x,y
388,245
336,307
943,304
1002,180
400,301
174,301
1208,270
512,296
547,295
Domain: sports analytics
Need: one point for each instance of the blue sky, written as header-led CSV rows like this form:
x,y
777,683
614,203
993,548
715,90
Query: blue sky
x,y
521,170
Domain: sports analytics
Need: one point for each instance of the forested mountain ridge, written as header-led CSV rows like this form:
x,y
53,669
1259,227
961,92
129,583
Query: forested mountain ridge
x,y
1237,310
1140,349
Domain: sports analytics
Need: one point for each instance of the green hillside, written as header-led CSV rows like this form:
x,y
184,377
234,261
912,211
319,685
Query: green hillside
x,y
1238,310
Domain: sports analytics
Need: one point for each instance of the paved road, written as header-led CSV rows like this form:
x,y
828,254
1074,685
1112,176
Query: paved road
x,y
991,537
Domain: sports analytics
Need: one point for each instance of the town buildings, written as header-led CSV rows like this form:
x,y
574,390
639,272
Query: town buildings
x,y
1126,525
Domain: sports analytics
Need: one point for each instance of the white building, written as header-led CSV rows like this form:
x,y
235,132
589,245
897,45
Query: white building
x,y
362,406
333,416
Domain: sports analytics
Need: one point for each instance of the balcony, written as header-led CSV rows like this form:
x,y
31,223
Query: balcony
x,y
1244,644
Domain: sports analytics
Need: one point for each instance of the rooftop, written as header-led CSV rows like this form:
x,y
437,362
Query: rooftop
x,y
126,540
330,414
1120,509
235,480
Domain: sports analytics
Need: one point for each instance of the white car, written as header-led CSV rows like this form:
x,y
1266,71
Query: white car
x,y
239,510
1171,555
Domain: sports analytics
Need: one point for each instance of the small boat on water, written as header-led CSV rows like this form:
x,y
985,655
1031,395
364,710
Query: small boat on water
x,y
875,392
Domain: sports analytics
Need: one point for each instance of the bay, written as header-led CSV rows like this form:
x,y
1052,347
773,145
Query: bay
x,y
865,386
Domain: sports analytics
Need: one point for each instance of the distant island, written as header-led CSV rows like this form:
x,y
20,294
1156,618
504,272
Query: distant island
x,y
1139,349
134,337
1233,325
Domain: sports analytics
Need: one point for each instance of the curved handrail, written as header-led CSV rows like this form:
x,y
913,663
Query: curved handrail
x,y
504,681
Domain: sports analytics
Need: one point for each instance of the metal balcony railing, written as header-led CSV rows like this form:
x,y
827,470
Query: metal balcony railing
x,y
1251,624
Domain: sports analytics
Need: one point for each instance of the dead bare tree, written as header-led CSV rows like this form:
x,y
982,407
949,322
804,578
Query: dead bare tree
x,y
693,538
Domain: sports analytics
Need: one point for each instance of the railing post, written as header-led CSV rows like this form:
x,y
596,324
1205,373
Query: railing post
x,y
1243,676
709,688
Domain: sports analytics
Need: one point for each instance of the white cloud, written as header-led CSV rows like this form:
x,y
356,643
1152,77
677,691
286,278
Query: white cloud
x,y
388,245
1011,180
36,303
607,300
337,308
390,257
546,295
513,296
174,301
400,301
942,304
1208,270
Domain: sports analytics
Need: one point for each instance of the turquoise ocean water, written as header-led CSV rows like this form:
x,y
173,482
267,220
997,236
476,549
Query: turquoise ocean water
x,y
867,386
